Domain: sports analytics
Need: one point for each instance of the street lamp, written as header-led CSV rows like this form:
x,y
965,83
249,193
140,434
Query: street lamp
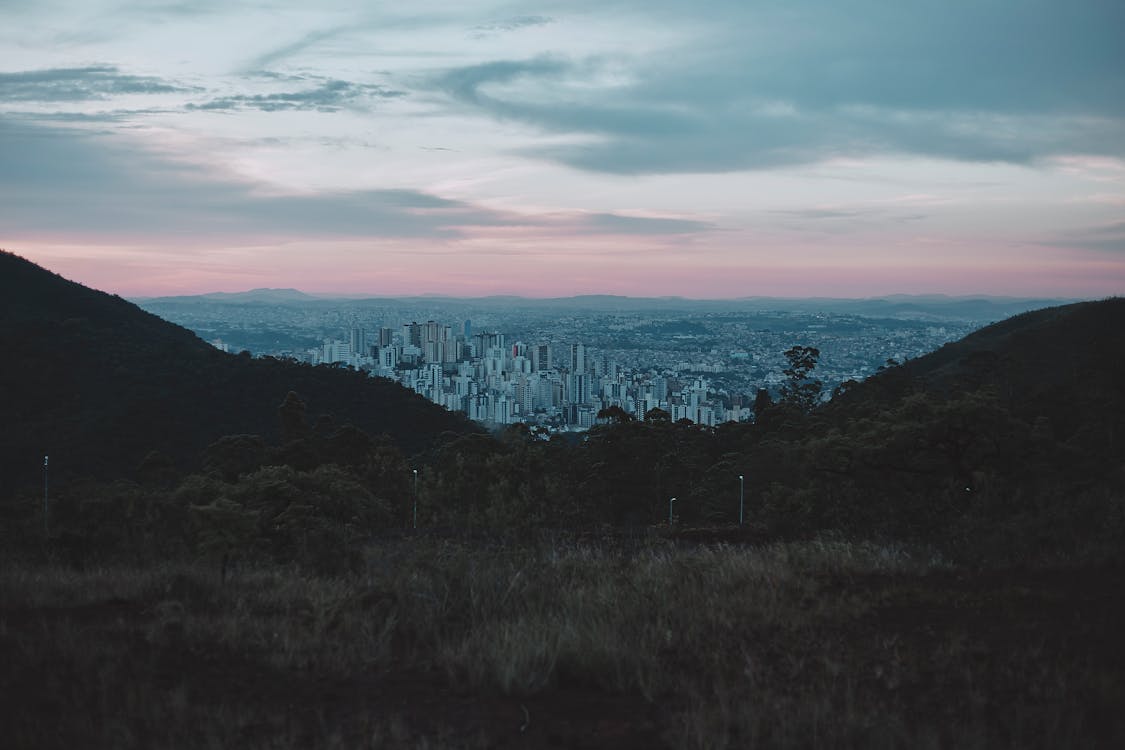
x,y
741,497
415,498
46,527
670,502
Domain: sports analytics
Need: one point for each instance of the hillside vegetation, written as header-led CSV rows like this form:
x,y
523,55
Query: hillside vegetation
x,y
98,384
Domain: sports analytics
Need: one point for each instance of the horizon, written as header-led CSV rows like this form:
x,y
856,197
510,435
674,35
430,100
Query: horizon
x,y
734,150
320,295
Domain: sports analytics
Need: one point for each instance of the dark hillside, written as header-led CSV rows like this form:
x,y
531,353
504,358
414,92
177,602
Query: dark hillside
x,y
1010,441
97,383
1063,366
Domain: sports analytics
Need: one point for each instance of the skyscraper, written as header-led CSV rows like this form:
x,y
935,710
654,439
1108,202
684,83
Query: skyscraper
x,y
358,341
578,388
412,335
578,358
541,357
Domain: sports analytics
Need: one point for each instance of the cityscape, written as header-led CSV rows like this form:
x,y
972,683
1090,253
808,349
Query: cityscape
x,y
555,366
612,375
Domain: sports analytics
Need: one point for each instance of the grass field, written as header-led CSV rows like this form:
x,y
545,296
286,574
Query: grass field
x,y
553,643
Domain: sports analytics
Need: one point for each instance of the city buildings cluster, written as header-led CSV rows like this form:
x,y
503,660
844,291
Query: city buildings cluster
x,y
503,382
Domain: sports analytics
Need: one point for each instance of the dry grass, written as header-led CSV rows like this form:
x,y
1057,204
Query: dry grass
x,y
822,643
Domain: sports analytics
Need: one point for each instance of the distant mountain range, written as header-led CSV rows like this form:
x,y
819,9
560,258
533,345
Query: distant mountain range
x,y
914,307
96,383
254,296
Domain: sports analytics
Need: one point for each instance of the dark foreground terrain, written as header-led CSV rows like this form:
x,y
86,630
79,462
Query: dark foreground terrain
x,y
567,644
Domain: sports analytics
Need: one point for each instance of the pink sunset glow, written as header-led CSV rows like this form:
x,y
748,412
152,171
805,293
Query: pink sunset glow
x,y
587,266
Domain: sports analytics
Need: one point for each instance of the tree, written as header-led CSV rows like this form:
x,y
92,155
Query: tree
x,y
347,446
233,455
224,528
614,413
291,415
800,390
844,388
157,470
762,401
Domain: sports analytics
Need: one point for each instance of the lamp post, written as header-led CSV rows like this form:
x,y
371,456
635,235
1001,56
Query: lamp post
x,y
741,497
46,527
415,498
671,501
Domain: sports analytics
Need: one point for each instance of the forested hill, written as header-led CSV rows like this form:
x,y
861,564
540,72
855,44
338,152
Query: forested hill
x,y
97,383
1061,366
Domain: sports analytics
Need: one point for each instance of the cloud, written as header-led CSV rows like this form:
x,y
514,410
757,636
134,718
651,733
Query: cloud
x,y
1103,237
567,108
610,223
96,82
776,84
466,83
329,96
1116,228
103,117
819,213
72,182
309,40
515,23
841,219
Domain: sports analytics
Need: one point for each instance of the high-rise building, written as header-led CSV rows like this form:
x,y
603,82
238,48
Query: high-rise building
x,y
336,351
433,351
541,357
434,331
434,375
358,341
524,392
548,392
482,342
412,335
502,410
578,358
451,351
578,388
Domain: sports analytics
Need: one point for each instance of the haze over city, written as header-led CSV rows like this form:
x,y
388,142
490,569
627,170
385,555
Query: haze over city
x,y
711,150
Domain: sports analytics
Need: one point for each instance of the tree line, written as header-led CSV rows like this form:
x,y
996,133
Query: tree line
x,y
963,470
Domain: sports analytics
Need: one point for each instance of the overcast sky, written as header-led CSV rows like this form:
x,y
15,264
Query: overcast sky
x,y
705,149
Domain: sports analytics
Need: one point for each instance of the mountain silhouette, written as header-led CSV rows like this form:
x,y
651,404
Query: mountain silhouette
x,y
97,383
1061,367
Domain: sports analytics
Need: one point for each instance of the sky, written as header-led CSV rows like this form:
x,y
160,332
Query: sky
x,y
707,149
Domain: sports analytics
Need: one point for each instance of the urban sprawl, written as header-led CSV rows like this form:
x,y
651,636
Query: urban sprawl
x,y
564,386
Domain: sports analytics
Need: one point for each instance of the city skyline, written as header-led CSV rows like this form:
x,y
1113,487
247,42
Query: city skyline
x,y
725,150
555,368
